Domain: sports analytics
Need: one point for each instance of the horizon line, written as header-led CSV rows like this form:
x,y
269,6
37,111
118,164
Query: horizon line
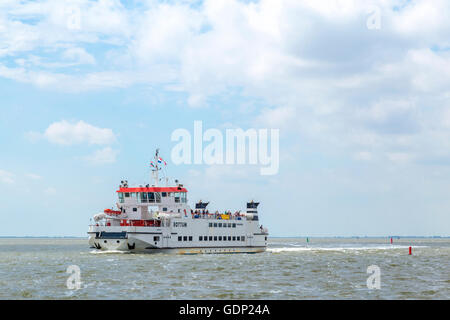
x,y
280,237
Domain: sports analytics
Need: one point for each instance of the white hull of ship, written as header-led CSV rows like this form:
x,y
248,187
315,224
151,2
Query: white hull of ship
x,y
142,239
137,246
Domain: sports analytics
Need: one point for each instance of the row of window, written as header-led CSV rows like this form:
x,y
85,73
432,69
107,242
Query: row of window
x,y
153,197
213,238
221,238
185,238
222,225
180,224
163,209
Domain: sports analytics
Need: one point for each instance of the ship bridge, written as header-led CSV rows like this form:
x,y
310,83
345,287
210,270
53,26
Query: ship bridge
x,y
152,194
144,202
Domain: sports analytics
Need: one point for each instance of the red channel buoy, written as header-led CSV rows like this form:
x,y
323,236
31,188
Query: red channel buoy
x,y
410,250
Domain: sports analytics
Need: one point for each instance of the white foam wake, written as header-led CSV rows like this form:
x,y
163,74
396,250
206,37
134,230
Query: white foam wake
x,y
107,251
341,249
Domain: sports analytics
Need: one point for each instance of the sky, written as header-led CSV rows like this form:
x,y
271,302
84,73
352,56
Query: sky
x,y
359,91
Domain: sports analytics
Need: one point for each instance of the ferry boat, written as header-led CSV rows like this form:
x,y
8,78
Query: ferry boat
x,y
154,219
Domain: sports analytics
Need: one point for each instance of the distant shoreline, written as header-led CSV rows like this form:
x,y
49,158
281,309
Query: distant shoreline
x,y
273,237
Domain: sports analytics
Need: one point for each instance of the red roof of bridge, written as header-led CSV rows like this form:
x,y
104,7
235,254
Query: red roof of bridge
x,y
153,189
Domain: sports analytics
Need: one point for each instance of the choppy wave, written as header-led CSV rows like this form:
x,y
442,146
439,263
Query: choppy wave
x,y
291,269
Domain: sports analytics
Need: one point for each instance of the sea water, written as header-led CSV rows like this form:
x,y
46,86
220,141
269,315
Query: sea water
x,y
323,268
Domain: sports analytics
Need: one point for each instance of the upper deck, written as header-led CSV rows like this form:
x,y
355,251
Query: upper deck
x,y
152,189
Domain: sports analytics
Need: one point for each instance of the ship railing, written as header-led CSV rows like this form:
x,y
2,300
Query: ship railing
x,y
218,216
139,223
130,223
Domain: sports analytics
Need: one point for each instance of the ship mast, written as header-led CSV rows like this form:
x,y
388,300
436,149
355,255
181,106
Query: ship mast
x,y
155,171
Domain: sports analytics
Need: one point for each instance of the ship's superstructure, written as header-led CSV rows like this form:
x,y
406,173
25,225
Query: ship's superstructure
x,y
154,218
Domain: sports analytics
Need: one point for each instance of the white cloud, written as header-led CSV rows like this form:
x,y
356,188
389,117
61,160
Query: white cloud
x,y
78,56
50,191
314,65
6,177
276,118
196,100
400,157
66,133
426,18
33,176
103,156
363,156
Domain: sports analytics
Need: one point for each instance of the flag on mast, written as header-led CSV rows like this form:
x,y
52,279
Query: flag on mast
x,y
160,160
